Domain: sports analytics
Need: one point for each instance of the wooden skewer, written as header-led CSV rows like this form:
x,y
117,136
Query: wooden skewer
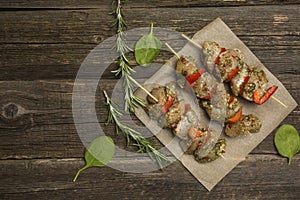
x,y
192,41
173,51
200,47
143,88
278,101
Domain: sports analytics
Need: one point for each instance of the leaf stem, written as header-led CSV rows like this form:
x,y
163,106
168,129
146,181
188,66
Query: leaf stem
x,y
79,171
151,29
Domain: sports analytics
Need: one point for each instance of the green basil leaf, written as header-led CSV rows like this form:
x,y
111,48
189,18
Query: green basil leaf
x,y
287,141
147,48
98,153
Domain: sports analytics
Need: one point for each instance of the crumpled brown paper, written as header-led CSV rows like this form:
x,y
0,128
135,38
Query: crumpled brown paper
x,y
271,113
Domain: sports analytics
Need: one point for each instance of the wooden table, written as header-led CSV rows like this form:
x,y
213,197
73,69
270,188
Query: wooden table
x,y
42,45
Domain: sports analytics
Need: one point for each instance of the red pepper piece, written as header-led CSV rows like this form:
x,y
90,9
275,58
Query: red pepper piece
x,y
260,100
217,60
193,77
168,104
246,80
212,92
194,133
236,117
232,74
230,100
187,108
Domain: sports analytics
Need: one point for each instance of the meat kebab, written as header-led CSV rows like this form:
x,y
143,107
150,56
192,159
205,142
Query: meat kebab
x,y
175,114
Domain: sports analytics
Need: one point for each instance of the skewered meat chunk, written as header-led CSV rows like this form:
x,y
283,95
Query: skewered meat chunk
x,y
174,114
258,81
249,82
215,153
218,104
204,86
228,64
186,66
247,124
184,122
188,120
216,110
204,145
160,94
212,51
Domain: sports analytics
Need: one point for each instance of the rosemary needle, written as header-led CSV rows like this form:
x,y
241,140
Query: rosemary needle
x,y
131,101
144,146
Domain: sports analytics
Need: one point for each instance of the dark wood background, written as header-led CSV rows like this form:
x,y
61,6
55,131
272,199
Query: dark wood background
x,y
42,45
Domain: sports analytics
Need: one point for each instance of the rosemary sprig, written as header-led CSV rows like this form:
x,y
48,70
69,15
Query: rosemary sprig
x,y
131,101
144,146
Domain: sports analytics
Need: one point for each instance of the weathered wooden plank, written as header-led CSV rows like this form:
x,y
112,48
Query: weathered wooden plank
x,y
62,61
93,26
258,177
36,119
136,3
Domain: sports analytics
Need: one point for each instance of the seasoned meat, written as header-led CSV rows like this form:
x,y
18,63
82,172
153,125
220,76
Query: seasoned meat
x,y
258,81
174,114
186,66
211,51
221,107
160,94
210,147
229,64
191,145
204,86
247,124
188,120
155,111
238,81
214,154
233,106
205,147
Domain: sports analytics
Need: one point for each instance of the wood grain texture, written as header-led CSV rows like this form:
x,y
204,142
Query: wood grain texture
x,y
42,45
43,125
66,26
67,4
252,179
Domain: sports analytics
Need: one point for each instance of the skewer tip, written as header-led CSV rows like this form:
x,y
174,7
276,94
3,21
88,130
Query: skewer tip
x,y
172,50
192,41
278,101
144,89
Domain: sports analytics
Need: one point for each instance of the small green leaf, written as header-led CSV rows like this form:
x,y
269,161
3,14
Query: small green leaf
x,y
147,48
98,153
287,141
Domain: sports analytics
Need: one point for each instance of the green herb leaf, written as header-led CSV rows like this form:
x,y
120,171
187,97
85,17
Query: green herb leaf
x,y
99,152
287,141
147,48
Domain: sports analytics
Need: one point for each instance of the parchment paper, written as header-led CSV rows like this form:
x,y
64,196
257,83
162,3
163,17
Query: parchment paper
x,y
271,113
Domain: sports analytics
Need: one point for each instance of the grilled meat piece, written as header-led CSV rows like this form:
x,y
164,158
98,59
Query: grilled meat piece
x,y
229,63
248,82
211,51
186,66
174,114
220,109
205,146
188,120
258,81
204,86
215,153
247,124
